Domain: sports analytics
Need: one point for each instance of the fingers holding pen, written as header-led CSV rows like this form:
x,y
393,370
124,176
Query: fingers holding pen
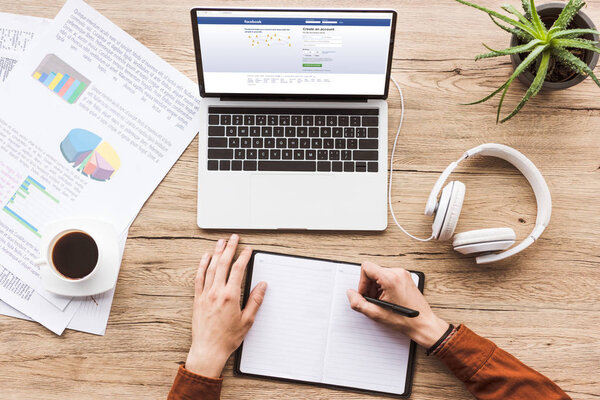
x,y
360,304
366,285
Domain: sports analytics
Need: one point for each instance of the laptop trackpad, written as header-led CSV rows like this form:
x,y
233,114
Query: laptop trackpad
x,y
291,201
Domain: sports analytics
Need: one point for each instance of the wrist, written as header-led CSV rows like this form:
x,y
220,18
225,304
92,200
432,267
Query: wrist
x,y
206,363
430,331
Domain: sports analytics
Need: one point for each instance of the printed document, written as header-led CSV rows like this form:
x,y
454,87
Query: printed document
x,y
16,34
23,298
88,315
90,123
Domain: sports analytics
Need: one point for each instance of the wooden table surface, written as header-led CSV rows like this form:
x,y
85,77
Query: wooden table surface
x,y
542,305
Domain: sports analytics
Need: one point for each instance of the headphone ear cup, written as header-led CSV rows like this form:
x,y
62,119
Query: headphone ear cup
x,y
448,211
484,240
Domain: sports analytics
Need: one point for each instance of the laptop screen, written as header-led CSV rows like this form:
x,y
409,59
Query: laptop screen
x,y
285,52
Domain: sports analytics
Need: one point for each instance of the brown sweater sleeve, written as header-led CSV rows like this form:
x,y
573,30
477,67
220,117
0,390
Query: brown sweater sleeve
x,y
189,386
491,373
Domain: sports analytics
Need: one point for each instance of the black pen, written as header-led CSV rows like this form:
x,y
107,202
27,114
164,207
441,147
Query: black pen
x,y
407,312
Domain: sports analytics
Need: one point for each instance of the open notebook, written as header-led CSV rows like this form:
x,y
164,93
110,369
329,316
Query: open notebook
x,y
306,331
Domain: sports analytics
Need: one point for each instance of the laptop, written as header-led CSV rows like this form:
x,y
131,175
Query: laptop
x,y
294,121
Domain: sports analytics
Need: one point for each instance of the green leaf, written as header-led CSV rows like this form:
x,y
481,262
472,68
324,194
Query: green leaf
x,y
535,87
567,14
526,8
487,55
521,34
506,89
577,43
573,33
520,68
501,17
577,40
510,9
511,50
535,18
574,62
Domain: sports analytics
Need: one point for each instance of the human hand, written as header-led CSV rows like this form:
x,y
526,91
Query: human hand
x,y
218,323
395,285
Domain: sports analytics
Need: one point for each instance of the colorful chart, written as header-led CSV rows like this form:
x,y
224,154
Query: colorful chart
x,y
59,77
90,154
31,205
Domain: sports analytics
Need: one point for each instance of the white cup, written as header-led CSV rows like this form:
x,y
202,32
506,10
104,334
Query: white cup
x,y
101,278
50,247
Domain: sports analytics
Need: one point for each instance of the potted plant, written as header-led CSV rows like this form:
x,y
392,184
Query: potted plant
x,y
552,46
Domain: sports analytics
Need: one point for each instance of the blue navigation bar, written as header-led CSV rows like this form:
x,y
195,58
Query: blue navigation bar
x,y
294,21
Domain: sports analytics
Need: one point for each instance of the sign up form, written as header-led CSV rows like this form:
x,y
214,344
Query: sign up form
x,y
286,52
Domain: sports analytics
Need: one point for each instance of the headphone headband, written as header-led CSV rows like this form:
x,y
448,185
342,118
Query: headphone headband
x,y
529,171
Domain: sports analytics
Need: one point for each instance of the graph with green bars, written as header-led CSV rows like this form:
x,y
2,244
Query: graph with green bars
x,y
31,205
61,78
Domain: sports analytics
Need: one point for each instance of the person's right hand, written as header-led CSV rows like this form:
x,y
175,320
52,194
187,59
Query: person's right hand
x,y
395,285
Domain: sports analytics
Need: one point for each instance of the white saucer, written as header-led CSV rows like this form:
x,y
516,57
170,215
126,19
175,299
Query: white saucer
x,y
107,270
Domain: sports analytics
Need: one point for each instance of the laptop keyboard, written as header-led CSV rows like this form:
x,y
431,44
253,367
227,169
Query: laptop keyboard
x,y
293,139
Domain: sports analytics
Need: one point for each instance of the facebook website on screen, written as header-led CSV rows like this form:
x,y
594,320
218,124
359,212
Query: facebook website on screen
x,y
289,52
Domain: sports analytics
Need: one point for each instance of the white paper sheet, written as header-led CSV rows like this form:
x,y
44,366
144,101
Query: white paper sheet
x,y
7,310
88,314
306,330
362,353
22,297
16,34
95,136
16,249
289,336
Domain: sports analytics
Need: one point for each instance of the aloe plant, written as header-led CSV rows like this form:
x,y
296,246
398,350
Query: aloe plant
x,y
541,44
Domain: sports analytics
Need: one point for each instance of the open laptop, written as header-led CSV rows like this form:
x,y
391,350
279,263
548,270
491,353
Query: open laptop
x,y
294,129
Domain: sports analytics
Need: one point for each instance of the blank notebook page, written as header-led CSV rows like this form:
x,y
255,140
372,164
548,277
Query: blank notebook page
x,y
305,329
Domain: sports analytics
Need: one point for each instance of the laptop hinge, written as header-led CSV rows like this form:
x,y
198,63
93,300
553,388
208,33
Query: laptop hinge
x,y
308,99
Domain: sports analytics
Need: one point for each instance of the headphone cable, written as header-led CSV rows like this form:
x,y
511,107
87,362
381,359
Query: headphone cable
x,y
392,166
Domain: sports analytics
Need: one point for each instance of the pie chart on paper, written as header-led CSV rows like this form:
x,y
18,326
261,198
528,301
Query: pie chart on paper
x,y
90,154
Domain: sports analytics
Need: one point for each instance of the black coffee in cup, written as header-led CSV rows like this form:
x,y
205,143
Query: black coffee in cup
x,y
75,255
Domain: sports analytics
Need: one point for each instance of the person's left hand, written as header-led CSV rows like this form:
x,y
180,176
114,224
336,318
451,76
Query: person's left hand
x,y
218,323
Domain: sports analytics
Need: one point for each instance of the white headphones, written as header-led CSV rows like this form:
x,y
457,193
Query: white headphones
x,y
447,209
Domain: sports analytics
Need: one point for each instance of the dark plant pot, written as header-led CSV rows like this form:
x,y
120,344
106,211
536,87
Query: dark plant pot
x,y
551,11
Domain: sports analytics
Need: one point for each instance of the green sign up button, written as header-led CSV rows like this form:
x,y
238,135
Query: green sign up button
x,y
312,65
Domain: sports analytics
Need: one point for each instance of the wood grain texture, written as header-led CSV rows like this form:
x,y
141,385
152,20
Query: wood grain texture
x,y
542,305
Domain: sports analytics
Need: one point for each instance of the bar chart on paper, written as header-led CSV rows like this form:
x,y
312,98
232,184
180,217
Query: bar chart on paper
x,y
32,205
61,78
91,155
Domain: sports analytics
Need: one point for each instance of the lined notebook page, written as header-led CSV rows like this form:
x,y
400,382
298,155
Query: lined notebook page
x,y
305,329
289,335
362,353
